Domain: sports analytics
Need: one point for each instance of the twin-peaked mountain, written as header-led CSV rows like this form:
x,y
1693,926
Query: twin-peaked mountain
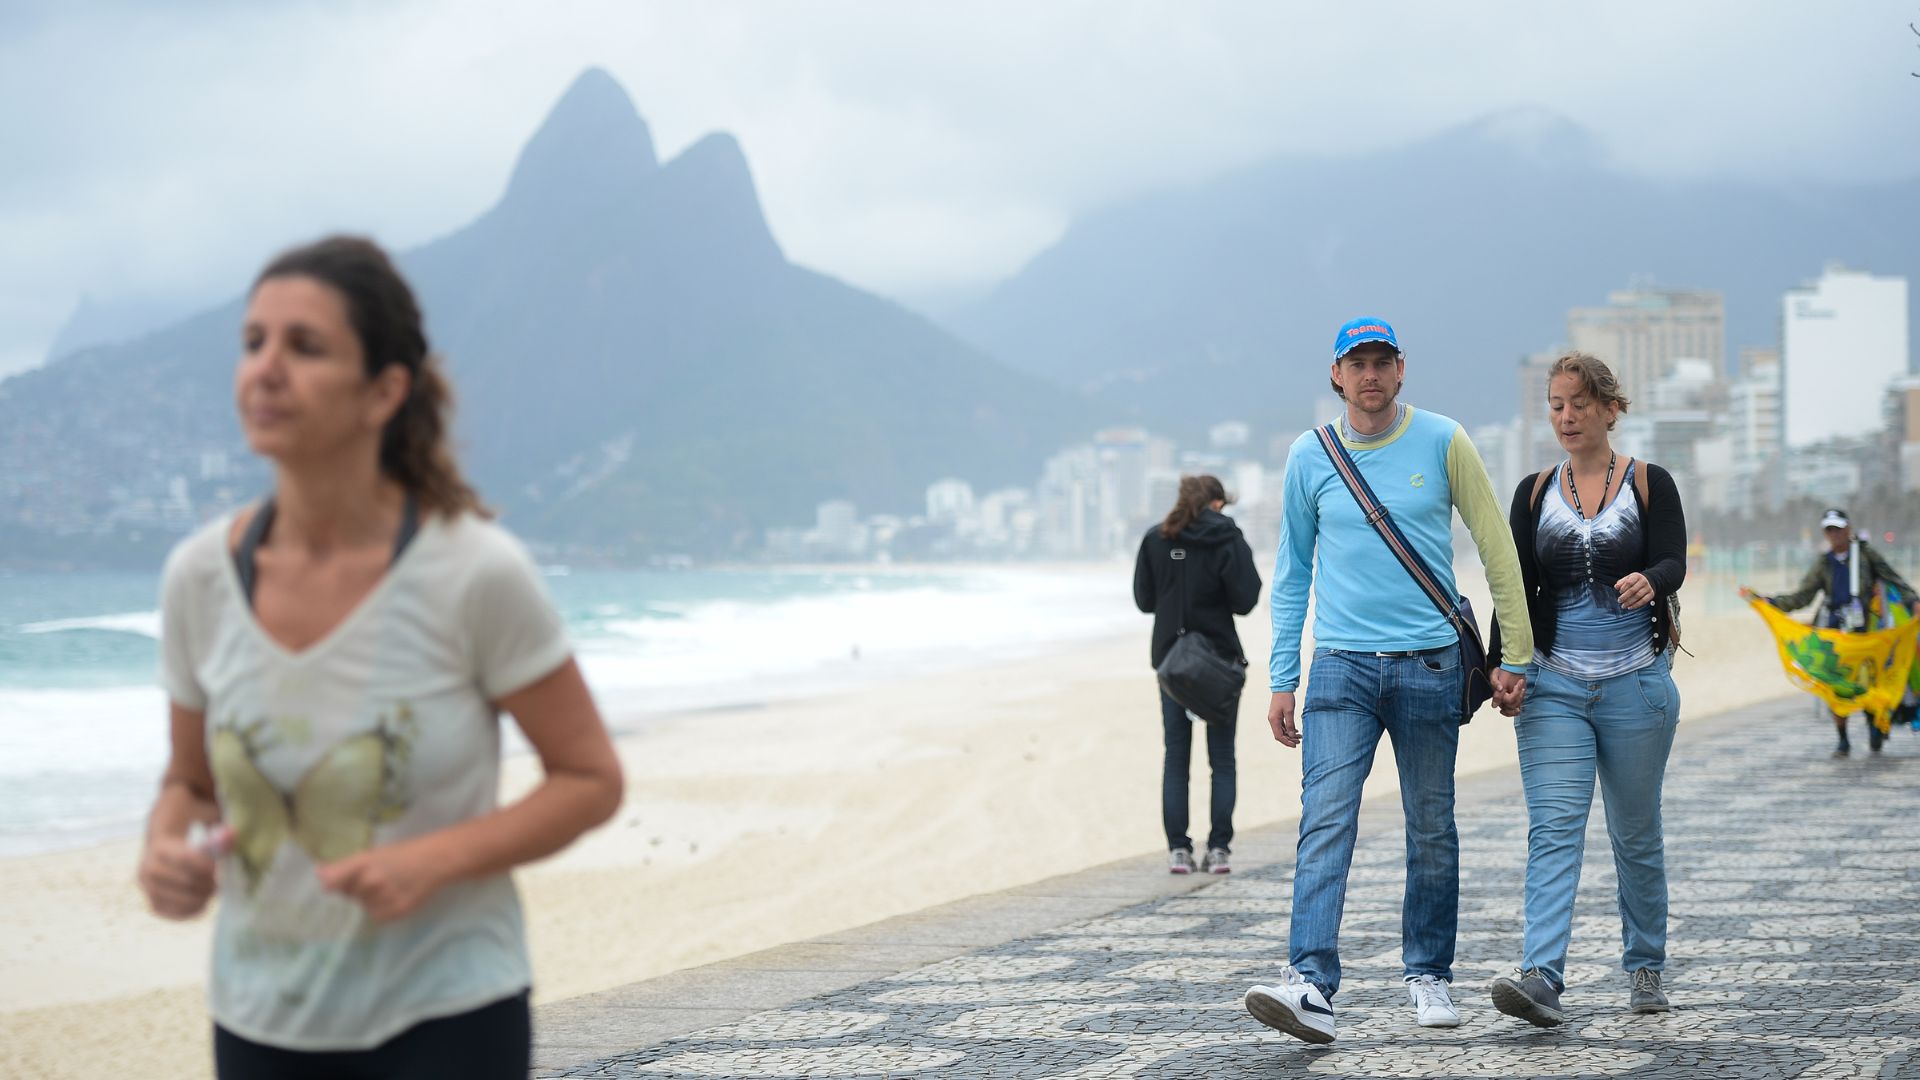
x,y
638,366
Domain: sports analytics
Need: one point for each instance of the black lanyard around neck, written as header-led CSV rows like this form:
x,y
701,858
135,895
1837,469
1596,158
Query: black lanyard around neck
x,y
1574,489
245,559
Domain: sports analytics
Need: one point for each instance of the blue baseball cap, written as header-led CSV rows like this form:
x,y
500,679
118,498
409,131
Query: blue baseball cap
x,y
1360,331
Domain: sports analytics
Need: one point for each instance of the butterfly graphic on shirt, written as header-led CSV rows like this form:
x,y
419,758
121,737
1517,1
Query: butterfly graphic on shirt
x,y
332,810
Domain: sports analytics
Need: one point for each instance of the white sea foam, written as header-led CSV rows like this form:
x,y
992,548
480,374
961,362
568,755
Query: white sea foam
x,y
77,765
731,650
81,764
144,623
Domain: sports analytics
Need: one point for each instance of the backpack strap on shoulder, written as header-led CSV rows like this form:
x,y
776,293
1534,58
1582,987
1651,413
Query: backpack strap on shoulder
x,y
1539,485
1639,480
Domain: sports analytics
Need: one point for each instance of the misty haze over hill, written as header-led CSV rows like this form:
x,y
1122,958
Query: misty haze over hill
x,y
637,364
640,368
1221,299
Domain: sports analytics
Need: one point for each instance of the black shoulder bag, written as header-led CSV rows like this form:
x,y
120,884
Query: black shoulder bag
x,y
1477,687
1195,674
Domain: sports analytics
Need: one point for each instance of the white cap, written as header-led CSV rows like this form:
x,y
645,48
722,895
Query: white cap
x,y
1834,519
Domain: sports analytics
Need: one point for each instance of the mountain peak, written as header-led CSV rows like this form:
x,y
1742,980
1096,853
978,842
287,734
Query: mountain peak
x,y
711,182
592,148
1536,133
96,322
718,159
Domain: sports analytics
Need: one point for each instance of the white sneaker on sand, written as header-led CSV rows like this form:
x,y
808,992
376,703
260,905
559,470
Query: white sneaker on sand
x,y
1432,1004
1296,1007
1179,861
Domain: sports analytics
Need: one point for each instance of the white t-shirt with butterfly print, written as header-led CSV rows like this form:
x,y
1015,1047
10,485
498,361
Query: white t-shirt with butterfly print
x,y
381,731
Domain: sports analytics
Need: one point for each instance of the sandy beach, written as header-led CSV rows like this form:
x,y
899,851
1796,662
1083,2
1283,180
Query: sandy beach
x,y
751,827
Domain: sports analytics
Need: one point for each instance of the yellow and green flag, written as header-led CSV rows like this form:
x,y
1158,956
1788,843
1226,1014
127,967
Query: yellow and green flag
x,y
1901,615
1865,672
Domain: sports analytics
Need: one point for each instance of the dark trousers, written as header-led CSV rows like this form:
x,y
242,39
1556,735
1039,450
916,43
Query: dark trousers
x,y
1173,782
493,1042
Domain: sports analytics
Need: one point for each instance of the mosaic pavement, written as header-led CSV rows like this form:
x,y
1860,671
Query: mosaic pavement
x,y
1793,946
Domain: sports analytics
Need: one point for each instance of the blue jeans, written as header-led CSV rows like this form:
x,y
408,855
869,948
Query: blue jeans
x,y
1179,762
1351,698
1570,728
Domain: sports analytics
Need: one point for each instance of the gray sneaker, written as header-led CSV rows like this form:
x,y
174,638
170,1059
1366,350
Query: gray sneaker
x,y
1215,862
1179,861
1647,995
1528,995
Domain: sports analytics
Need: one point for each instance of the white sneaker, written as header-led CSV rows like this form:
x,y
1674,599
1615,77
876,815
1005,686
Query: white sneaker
x,y
1296,1007
1432,1005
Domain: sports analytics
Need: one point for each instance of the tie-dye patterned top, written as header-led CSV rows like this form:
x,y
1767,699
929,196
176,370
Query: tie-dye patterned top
x,y
1581,560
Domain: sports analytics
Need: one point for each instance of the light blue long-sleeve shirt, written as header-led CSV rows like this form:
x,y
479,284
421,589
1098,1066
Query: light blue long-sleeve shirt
x,y
1421,469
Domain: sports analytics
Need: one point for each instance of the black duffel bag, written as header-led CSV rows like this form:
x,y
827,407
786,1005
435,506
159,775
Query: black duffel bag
x,y
1205,681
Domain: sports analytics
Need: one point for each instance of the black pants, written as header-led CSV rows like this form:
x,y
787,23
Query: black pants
x,y
493,1042
1173,782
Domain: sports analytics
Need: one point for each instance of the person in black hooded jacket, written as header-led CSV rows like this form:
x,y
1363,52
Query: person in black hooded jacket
x,y
1195,566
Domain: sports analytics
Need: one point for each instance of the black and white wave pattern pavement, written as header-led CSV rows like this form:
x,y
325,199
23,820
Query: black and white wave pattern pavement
x,y
1794,951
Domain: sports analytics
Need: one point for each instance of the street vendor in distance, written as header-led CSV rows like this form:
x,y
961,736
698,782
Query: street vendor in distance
x,y
1853,578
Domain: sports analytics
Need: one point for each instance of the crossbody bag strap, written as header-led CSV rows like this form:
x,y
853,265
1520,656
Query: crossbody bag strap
x,y
1382,522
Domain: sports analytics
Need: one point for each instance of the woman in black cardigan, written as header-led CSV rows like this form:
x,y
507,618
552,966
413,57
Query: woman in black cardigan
x,y
1603,549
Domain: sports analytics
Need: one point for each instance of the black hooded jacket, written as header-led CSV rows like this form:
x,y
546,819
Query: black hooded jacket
x,y
1213,571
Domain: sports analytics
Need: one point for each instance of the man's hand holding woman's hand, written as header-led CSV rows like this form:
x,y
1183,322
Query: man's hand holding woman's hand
x,y
1509,691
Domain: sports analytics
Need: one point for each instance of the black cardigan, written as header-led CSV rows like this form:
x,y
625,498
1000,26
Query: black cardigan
x,y
1663,556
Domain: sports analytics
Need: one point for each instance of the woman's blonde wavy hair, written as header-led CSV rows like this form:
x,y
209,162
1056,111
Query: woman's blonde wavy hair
x,y
1596,379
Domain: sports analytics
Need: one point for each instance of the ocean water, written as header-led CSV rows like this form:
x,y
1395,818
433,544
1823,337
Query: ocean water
x,y
83,732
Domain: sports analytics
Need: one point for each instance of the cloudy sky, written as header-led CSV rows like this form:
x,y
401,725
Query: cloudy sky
x,y
155,154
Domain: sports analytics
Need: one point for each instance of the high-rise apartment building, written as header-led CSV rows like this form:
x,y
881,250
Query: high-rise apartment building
x,y
1843,339
1535,446
1753,405
1640,333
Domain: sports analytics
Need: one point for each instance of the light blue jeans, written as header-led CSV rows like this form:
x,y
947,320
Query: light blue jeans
x,y
1568,730
1352,697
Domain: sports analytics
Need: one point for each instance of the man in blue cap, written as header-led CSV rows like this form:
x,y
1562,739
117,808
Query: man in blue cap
x,y
1385,660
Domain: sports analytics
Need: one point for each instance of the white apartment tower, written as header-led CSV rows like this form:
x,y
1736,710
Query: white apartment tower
x,y
949,500
1843,339
1753,405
